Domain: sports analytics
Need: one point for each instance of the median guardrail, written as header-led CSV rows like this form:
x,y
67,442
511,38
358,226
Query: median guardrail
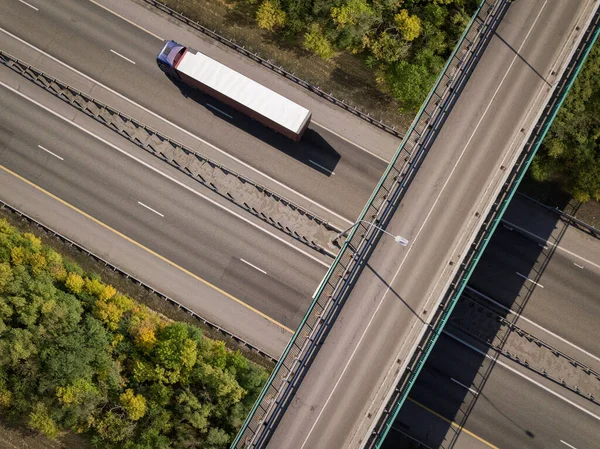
x,y
484,235
340,278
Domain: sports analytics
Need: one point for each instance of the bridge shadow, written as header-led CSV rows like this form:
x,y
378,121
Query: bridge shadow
x,y
438,407
312,150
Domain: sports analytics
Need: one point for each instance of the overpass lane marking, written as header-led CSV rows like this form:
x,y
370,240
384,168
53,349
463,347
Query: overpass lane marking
x,y
179,128
567,444
150,209
533,323
50,152
127,20
27,4
518,373
176,181
418,234
452,423
145,248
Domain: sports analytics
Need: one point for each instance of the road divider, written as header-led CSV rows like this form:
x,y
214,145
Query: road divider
x,y
265,204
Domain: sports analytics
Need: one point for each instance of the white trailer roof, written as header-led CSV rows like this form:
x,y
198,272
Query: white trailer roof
x,y
243,90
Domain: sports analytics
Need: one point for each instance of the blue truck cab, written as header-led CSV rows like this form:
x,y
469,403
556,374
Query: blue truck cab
x,y
169,56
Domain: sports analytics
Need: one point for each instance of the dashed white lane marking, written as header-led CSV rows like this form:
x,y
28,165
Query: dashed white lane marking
x,y
320,166
124,57
464,386
149,208
530,280
126,20
50,152
567,444
518,373
253,266
157,171
27,4
554,245
578,266
218,110
177,127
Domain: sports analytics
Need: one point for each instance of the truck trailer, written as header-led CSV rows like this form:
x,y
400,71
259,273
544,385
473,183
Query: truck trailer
x,y
234,89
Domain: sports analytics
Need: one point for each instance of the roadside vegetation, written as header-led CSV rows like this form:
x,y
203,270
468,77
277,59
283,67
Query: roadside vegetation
x,y
570,154
382,55
78,356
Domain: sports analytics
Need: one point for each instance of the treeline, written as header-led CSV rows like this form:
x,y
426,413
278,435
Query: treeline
x,y
570,153
405,41
77,355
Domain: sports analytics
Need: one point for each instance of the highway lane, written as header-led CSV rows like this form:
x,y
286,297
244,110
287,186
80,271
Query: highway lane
x,y
82,35
396,295
565,299
153,210
503,409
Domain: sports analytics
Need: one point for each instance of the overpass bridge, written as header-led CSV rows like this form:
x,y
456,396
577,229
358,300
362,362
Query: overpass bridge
x,y
380,307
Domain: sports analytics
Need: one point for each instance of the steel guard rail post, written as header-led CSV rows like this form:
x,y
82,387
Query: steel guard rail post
x,y
493,220
247,437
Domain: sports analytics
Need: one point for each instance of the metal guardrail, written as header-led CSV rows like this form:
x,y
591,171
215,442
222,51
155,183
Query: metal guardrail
x,y
485,233
278,211
341,276
275,68
573,221
64,239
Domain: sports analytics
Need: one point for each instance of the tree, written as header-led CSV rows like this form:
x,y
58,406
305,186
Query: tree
x,y
41,421
270,16
134,404
316,42
409,26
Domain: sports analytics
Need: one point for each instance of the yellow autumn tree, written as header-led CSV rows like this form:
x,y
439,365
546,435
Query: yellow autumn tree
x,y
270,16
409,26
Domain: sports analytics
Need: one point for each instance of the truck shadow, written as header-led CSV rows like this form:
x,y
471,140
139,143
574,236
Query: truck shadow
x,y
313,149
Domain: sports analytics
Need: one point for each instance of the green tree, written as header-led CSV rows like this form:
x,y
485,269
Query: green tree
x,y
315,41
270,16
409,26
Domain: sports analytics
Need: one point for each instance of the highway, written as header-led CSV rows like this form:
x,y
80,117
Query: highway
x,y
158,210
390,305
563,313
505,407
121,56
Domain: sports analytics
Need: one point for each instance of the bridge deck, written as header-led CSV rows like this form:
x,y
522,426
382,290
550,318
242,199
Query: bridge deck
x,y
397,293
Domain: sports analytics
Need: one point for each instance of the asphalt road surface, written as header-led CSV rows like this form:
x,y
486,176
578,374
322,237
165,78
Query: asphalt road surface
x,y
328,168
198,235
497,406
362,357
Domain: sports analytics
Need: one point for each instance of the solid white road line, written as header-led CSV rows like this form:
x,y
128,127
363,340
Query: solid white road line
x,y
350,142
533,323
124,57
31,6
531,234
530,280
253,266
126,20
360,340
177,127
48,151
518,373
149,208
578,266
320,166
567,444
218,110
179,183
543,246
464,386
